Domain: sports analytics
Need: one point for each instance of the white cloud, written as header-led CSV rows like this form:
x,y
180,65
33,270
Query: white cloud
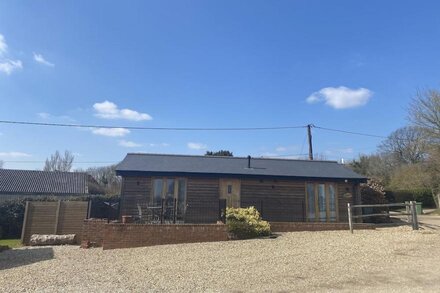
x,y
196,146
3,45
341,97
114,132
40,59
8,66
14,155
129,144
163,144
281,149
109,110
43,115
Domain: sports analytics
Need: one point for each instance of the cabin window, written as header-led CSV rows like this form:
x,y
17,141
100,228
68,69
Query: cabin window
x,y
311,201
321,202
229,188
171,190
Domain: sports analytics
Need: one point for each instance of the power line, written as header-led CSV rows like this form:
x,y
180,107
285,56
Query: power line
x,y
152,128
91,162
349,132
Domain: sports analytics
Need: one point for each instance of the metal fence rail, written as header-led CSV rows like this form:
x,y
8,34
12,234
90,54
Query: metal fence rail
x,y
410,212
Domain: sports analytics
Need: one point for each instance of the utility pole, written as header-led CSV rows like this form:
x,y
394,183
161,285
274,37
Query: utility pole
x,y
309,134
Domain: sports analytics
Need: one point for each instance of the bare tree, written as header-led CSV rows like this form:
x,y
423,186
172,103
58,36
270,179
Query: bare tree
x,y
59,163
406,145
424,112
1,164
106,178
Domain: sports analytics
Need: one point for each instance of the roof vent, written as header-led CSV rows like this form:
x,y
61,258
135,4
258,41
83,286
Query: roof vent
x,y
249,162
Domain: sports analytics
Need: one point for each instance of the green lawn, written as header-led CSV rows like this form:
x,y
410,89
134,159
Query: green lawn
x,y
12,243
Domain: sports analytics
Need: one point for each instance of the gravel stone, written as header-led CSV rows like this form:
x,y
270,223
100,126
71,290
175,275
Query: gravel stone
x,y
384,260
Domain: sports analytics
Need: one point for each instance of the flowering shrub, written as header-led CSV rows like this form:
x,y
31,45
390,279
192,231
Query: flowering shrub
x,y
245,223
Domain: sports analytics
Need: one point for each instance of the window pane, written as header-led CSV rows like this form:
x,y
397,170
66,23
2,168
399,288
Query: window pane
x,y
181,199
169,195
311,202
157,195
332,202
322,203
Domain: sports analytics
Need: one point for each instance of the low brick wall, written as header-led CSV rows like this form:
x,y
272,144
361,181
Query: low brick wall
x,y
118,235
93,231
136,235
302,226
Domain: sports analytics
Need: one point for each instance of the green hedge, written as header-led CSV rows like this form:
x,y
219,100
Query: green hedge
x,y
245,223
423,196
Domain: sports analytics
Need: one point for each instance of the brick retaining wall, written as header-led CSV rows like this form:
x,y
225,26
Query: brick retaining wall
x,y
117,235
315,226
136,235
93,231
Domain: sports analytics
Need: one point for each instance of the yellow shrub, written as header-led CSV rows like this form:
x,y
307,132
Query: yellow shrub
x,y
246,223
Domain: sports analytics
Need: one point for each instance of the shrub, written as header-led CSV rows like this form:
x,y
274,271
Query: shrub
x,y
245,223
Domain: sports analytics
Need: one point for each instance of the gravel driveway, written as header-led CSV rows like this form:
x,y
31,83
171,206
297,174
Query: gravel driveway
x,y
387,260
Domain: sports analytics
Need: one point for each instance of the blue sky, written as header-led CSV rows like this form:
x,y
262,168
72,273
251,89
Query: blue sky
x,y
351,65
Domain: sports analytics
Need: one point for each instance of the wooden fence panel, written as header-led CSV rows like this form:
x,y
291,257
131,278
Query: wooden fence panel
x,y
62,217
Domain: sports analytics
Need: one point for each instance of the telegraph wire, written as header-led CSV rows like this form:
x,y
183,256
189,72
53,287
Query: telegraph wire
x,y
152,128
349,132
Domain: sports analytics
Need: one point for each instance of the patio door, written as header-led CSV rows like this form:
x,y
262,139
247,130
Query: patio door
x,y
230,190
321,202
171,191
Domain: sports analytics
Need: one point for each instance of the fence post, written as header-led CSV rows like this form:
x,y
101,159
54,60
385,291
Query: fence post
x,y
57,217
175,211
415,223
261,209
89,208
162,211
23,229
350,219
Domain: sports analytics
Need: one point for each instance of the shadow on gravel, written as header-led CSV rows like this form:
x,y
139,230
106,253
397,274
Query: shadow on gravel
x,y
21,257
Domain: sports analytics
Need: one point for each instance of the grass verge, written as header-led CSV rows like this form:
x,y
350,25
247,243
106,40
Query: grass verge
x,y
12,243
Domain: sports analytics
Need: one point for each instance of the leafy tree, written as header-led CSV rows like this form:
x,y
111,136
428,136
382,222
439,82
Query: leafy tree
x,y
405,145
416,178
57,162
222,153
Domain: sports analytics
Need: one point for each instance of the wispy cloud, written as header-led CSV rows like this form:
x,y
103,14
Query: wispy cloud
x,y
109,110
163,144
196,146
48,116
341,97
7,65
113,132
40,59
129,144
3,45
14,155
43,115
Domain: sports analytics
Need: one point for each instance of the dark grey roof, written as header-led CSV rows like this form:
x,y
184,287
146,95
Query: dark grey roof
x,y
42,182
156,163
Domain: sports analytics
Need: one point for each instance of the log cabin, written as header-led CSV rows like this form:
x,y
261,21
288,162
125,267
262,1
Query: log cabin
x,y
198,187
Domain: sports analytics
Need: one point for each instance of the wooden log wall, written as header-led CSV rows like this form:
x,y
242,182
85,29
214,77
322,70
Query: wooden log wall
x,y
135,190
281,200
202,200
